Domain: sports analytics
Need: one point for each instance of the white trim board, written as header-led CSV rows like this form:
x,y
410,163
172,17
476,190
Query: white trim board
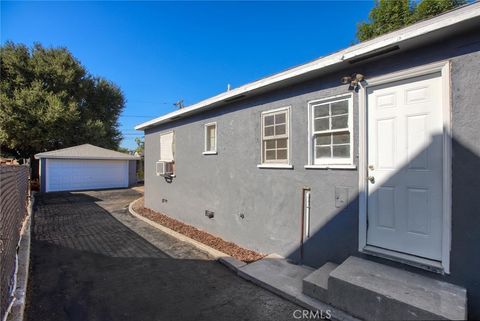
x,y
444,266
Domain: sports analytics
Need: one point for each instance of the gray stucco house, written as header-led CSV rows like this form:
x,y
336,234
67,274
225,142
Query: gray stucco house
x,y
86,167
384,165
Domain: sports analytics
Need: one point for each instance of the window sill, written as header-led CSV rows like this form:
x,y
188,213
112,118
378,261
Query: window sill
x,y
333,166
210,153
284,166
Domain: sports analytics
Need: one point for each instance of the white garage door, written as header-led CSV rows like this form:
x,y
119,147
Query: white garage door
x,y
69,174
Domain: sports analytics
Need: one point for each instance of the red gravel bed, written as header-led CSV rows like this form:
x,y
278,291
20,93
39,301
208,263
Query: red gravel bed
x,y
217,243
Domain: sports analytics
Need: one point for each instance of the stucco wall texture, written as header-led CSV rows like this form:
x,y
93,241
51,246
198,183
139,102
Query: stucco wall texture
x,y
132,172
230,184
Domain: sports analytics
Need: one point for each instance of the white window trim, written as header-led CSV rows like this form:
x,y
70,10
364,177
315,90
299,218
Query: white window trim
x,y
205,151
275,165
173,146
333,166
341,163
264,164
444,265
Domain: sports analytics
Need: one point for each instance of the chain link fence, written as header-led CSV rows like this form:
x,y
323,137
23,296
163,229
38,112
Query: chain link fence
x,y
13,210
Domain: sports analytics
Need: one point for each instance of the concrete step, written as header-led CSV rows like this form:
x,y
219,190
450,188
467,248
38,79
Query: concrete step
x,y
373,291
315,285
279,276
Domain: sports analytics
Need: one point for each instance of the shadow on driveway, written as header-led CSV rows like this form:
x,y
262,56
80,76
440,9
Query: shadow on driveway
x,y
86,265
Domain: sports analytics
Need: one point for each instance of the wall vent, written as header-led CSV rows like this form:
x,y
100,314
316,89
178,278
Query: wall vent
x,y
229,100
373,54
209,214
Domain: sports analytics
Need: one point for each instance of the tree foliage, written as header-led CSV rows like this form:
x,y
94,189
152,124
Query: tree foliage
x,y
140,149
48,101
390,15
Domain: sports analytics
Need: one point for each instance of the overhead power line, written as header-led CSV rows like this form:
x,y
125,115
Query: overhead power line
x,y
149,102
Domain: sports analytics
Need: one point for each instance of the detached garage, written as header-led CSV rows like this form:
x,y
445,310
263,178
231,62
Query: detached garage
x,y
86,167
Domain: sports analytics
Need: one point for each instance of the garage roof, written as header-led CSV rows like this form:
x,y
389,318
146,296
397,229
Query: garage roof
x,y
420,33
86,151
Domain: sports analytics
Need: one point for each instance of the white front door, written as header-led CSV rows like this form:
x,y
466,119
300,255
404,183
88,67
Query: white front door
x,y
405,166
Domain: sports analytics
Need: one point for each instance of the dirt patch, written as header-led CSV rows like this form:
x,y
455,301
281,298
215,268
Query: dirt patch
x,y
217,243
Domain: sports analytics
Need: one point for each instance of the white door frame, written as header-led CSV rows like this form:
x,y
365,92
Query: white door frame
x,y
444,266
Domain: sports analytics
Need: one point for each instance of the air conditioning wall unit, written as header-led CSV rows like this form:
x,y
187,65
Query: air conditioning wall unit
x,y
164,168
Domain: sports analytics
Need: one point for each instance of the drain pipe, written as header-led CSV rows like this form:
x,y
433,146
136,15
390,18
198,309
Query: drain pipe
x,y
304,219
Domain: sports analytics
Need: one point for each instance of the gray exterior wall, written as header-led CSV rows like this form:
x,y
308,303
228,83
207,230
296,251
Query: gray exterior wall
x,y
230,184
132,172
43,170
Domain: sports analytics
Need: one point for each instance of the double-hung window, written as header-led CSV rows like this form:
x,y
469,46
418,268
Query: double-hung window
x,y
167,147
210,139
331,131
166,163
275,136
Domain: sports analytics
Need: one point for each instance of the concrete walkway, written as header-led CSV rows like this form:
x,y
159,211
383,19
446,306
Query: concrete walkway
x,y
92,260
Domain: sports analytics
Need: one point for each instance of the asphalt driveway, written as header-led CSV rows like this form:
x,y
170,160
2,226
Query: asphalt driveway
x,y
92,260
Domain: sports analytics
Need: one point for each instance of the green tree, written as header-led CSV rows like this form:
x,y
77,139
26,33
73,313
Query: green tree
x,y
386,16
123,150
140,145
390,15
431,8
48,100
140,149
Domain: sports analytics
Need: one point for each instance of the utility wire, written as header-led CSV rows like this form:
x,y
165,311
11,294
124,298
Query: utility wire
x,y
149,102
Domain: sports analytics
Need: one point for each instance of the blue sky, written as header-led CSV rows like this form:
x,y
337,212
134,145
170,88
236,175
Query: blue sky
x,y
160,52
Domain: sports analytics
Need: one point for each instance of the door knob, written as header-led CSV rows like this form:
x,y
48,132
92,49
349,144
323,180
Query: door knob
x,y
371,179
